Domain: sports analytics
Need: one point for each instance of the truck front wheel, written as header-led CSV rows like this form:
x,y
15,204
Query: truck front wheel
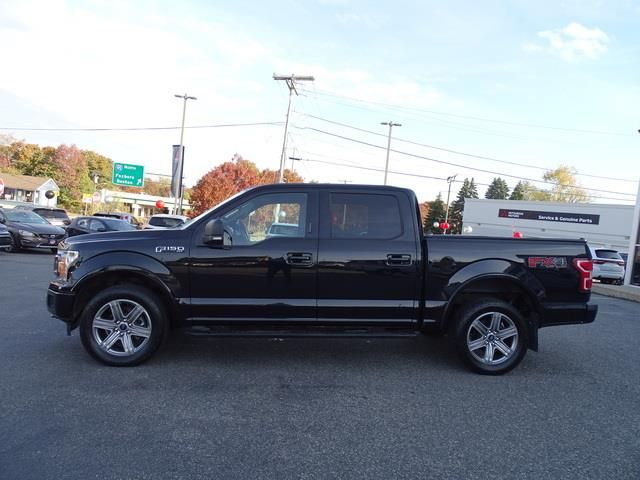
x,y
490,336
123,325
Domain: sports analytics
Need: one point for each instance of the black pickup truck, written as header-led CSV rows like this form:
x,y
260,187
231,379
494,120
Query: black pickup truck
x,y
353,261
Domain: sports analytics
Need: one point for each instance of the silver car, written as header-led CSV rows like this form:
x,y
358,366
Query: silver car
x,y
608,265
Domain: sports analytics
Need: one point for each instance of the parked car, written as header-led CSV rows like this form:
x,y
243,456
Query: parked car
x,y
5,238
360,267
127,217
162,221
30,230
608,265
55,216
84,225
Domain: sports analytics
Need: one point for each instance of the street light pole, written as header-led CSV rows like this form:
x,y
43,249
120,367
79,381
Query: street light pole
x,y
290,81
386,165
185,97
450,180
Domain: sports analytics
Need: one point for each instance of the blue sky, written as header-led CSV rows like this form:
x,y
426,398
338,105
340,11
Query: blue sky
x,y
534,83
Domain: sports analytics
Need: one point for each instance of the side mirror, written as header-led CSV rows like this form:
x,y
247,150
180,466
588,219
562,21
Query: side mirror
x,y
101,229
67,222
3,219
215,235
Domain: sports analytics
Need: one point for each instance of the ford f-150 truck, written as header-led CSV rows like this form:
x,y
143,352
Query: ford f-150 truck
x,y
353,261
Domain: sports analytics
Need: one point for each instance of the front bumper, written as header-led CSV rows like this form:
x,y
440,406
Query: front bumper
x,y
39,242
60,304
568,314
5,241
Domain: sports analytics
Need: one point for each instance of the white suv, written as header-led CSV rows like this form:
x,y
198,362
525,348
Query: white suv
x,y
608,265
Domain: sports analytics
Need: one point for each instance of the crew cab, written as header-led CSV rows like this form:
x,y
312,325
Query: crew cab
x,y
357,263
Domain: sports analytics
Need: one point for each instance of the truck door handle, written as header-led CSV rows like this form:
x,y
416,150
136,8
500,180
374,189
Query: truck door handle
x,y
395,259
299,258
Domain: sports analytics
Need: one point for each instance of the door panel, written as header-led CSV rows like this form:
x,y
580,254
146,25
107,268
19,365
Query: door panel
x,y
270,270
368,268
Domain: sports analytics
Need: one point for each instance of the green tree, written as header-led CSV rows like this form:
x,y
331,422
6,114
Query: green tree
x,y
468,190
98,166
566,187
519,192
498,189
526,191
437,212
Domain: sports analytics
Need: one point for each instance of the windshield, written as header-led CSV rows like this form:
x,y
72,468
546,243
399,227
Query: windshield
x,y
609,254
57,214
207,212
165,222
120,225
24,216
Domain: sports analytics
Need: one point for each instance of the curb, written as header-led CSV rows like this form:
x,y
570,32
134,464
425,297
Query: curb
x,y
625,292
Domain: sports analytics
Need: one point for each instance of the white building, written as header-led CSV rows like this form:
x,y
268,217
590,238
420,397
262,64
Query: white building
x,y
28,189
609,226
601,225
139,204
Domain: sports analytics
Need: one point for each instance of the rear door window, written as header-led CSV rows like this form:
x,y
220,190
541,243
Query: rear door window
x,y
365,216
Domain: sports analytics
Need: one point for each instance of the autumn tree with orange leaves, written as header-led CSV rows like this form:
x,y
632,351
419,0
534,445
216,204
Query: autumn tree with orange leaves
x,y
229,178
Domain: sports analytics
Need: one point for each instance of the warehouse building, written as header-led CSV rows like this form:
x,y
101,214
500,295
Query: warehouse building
x,y
607,226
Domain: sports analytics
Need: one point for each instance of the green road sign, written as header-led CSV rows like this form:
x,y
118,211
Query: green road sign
x,y
128,175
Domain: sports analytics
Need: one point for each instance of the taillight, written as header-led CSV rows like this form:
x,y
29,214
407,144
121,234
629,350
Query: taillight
x,y
621,264
598,262
584,266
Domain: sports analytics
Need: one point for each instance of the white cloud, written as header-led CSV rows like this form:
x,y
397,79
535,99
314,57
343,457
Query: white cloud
x,y
572,43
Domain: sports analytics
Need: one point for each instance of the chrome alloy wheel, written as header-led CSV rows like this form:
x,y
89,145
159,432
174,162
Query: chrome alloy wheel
x,y
492,338
121,327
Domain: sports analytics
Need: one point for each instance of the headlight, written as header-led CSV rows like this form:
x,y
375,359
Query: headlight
x,y
25,233
64,261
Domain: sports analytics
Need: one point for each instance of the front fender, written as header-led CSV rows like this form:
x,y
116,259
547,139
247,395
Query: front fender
x,y
122,262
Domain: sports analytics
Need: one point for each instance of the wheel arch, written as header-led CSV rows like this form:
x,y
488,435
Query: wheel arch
x,y
92,283
499,286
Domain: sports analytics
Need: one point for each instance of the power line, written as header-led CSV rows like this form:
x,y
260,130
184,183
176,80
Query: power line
x,y
136,129
457,152
470,117
406,174
413,155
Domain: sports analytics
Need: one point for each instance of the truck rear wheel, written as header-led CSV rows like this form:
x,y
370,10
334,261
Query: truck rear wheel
x,y
123,325
490,336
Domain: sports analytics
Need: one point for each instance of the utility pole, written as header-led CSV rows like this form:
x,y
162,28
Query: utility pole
x,y
450,180
184,97
290,81
386,165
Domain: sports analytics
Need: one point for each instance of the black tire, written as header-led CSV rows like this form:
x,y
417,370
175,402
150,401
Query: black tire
x,y
120,345
505,330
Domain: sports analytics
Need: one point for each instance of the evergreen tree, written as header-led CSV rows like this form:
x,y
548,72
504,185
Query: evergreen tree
x,y
468,190
437,212
519,192
498,190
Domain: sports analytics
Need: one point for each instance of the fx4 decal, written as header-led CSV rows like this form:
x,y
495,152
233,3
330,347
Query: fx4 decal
x,y
547,262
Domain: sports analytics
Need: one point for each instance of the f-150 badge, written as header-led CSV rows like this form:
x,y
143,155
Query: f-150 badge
x,y
547,262
169,249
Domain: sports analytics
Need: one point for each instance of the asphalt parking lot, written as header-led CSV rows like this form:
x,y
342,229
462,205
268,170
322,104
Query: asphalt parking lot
x,y
312,408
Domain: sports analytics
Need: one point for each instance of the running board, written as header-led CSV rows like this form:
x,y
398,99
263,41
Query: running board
x,y
201,331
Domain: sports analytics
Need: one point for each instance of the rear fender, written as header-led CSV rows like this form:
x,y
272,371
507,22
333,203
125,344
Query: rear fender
x,y
500,279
